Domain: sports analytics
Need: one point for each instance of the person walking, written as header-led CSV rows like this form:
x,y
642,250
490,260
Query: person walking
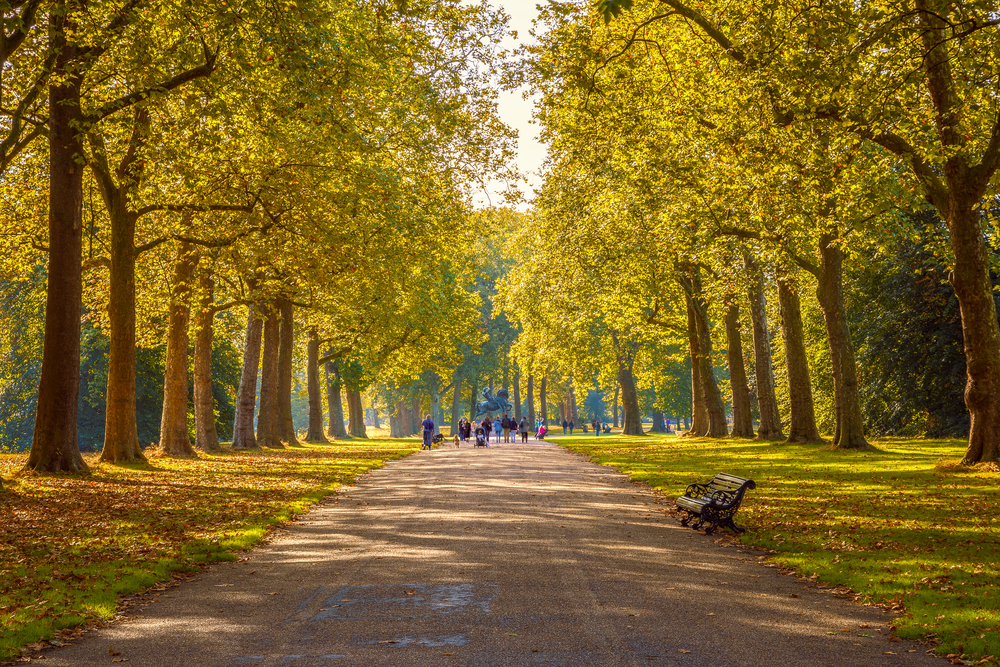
x,y
523,427
487,427
571,427
565,425
506,423
428,432
597,427
497,428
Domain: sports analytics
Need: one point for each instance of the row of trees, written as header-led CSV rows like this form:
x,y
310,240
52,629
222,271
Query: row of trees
x,y
309,165
710,161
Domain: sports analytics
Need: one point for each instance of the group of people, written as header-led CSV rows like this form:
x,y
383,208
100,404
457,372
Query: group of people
x,y
505,426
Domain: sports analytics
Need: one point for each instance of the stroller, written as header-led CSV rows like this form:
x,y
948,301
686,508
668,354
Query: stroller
x,y
481,438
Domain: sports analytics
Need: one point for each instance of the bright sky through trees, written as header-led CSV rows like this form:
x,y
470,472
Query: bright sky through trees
x,y
516,111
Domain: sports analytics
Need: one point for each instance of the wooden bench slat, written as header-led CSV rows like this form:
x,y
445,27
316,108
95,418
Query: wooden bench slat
x,y
715,502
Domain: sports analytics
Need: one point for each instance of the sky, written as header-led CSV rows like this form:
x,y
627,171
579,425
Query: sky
x,y
516,111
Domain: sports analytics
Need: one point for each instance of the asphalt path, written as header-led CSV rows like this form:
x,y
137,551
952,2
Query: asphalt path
x,y
512,555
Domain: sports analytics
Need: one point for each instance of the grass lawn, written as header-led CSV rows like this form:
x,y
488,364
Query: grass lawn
x,y
70,545
902,527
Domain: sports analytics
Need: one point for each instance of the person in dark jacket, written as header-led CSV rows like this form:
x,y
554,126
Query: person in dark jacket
x,y
565,425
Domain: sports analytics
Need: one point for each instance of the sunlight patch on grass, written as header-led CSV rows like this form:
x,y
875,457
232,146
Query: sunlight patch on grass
x,y
904,526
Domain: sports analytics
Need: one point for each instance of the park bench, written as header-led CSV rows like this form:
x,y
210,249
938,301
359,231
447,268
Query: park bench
x,y
715,502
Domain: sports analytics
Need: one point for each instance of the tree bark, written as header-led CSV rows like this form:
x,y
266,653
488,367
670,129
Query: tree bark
x,y
802,422
315,433
472,398
121,439
396,421
742,418
658,424
267,418
286,345
531,402
355,415
206,436
416,416
436,415
543,401
456,402
334,402
849,429
631,420
246,397
767,402
54,444
615,405
716,409
517,396
699,421
574,415
175,439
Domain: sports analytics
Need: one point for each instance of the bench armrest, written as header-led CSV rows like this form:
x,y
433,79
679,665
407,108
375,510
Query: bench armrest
x,y
697,490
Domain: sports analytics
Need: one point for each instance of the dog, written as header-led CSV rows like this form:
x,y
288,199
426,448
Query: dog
x,y
457,440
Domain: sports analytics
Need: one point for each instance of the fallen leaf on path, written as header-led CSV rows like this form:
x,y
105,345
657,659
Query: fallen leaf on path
x,y
389,641
683,651
447,654
794,595
889,653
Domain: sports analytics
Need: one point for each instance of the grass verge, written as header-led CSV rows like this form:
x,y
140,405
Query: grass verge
x,y
903,526
70,545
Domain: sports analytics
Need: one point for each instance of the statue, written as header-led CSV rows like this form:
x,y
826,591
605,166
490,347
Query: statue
x,y
498,403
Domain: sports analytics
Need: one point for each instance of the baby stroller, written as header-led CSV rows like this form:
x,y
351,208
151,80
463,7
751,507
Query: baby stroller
x,y
481,438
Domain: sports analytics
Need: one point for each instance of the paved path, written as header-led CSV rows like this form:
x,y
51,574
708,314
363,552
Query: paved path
x,y
515,555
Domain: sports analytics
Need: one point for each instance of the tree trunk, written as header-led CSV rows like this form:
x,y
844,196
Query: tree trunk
x,y
246,397
543,402
767,402
436,414
267,418
375,422
658,425
456,403
334,401
615,406
54,444
531,402
631,420
849,428
286,345
355,415
742,419
175,439
699,422
315,433
396,421
517,396
472,398
416,417
574,415
121,439
714,407
802,426
206,437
